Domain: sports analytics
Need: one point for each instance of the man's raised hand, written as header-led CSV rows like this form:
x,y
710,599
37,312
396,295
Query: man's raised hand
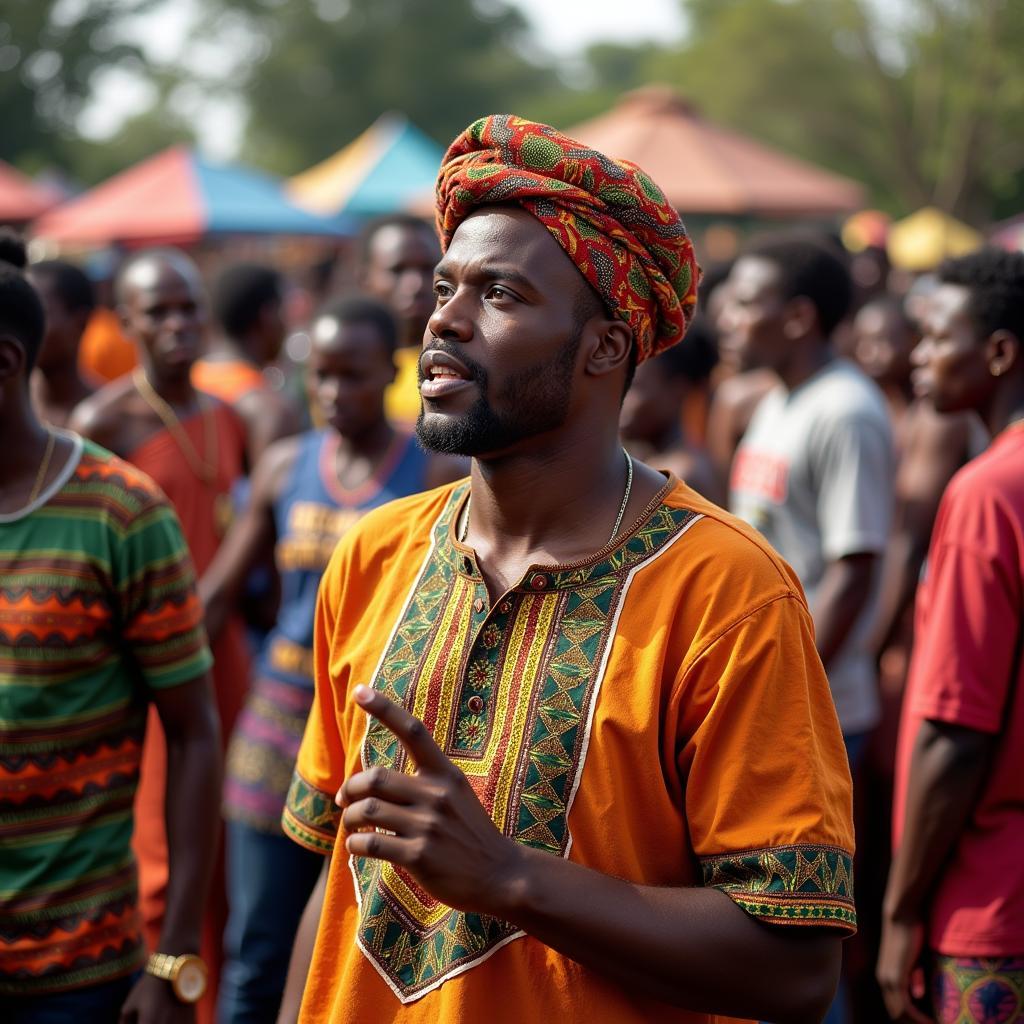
x,y
434,825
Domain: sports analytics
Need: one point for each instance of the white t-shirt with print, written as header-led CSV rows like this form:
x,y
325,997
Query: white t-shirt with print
x,y
814,474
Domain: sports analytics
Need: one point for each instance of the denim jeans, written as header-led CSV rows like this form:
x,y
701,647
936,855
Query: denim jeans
x,y
269,881
92,1004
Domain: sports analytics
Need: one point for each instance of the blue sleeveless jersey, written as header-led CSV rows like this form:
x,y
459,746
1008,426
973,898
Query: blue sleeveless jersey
x,y
312,514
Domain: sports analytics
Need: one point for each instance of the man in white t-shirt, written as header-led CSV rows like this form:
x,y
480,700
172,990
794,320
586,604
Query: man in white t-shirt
x,y
814,470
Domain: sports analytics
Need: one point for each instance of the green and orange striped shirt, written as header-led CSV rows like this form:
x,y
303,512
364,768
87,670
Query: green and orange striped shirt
x,y
97,608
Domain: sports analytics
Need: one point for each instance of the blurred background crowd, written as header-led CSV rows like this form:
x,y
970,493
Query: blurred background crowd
x,y
290,151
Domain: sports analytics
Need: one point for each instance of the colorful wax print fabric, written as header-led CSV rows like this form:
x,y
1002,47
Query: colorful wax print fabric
x,y
972,990
611,219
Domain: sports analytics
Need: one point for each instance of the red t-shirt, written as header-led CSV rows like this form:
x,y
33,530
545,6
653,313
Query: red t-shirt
x,y
967,670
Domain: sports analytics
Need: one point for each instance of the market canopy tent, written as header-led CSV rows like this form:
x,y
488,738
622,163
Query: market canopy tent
x,y
706,169
924,239
382,171
21,199
179,197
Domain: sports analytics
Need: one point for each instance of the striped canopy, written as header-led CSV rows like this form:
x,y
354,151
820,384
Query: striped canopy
x,y
382,171
180,197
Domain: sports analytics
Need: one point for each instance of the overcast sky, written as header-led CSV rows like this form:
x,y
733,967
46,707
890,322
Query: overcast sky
x,y
563,27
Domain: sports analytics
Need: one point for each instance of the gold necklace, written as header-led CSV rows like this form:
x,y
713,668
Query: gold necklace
x,y
205,471
51,438
460,534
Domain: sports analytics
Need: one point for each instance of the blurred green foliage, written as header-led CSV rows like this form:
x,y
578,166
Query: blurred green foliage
x,y
51,55
922,100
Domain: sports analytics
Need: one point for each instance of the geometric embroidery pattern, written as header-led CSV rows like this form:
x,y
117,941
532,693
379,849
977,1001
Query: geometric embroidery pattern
x,y
311,817
508,693
788,884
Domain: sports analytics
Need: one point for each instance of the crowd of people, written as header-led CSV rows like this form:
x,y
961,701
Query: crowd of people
x,y
430,679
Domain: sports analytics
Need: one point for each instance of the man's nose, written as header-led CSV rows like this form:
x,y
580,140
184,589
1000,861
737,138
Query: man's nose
x,y
451,320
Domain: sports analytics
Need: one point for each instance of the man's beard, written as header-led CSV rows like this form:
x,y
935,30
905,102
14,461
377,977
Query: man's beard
x,y
537,400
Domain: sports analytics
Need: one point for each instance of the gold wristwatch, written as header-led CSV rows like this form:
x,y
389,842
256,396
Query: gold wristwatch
x,y
186,973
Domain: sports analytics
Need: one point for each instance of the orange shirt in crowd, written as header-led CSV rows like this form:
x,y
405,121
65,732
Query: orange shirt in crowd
x,y
104,353
658,713
228,379
202,510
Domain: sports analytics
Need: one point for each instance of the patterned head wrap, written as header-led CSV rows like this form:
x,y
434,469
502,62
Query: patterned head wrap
x,y
625,238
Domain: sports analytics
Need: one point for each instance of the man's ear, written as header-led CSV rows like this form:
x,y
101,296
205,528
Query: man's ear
x,y
799,318
611,350
12,358
1004,352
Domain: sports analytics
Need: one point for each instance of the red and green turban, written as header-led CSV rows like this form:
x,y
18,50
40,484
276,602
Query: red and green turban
x,y
625,238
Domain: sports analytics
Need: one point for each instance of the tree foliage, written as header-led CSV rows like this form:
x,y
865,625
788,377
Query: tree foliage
x,y
922,100
51,53
329,68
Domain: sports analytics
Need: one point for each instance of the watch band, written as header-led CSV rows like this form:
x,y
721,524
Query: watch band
x,y
161,965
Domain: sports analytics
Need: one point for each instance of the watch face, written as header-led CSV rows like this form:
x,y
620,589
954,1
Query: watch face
x,y
191,982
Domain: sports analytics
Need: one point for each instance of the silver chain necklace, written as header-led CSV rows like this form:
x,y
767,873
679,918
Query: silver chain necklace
x,y
461,534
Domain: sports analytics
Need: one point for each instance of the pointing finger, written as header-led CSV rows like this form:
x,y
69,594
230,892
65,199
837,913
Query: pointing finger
x,y
410,731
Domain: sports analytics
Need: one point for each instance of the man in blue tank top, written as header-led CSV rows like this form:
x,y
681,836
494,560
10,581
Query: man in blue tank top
x,y
307,491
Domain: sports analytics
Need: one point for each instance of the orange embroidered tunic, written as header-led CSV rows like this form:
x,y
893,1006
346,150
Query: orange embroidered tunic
x,y
657,713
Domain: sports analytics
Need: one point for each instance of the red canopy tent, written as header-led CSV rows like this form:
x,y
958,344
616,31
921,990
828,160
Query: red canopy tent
x,y
706,169
21,199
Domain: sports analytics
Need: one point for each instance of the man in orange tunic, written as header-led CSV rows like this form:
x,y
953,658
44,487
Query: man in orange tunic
x,y
193,446
571,751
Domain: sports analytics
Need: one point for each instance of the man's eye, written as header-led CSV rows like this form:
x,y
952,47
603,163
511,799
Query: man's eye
x,y
442,290
497,292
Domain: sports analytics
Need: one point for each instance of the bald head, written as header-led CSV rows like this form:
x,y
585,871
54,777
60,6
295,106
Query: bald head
x,y
145,268
163,310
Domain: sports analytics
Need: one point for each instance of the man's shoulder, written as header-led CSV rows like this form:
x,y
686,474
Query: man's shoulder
x,y
101,415
988,488
844,391
726,558
109,485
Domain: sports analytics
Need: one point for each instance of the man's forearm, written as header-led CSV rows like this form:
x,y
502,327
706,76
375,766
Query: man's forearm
x,y
680,946
947,767
192,810
302,950
842,595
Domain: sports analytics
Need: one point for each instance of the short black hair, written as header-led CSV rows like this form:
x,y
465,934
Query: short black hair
x,y
241,292
12,248
21,312
810,266
359,309
995,280
695,356
72,286
405,221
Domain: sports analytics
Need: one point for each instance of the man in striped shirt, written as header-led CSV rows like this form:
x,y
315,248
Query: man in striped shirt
x,y
98,618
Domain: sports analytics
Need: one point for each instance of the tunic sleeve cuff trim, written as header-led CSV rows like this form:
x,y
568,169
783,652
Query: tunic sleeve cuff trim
x,y
310,816
787,885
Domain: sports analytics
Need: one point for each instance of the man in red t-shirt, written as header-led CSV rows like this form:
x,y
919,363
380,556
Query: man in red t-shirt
x,y
954,907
